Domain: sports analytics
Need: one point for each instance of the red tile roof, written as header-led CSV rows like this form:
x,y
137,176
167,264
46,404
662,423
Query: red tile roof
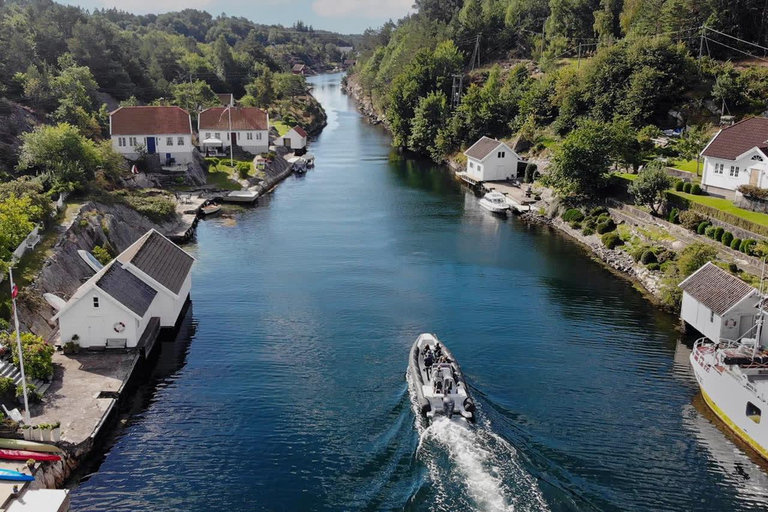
x,y
150,120
715,288
243,118
739,138
300,131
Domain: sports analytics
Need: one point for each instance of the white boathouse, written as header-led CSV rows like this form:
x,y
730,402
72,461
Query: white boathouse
x,y
719,305
490,160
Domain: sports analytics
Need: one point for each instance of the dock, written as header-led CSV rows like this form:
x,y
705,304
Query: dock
x,y
241,196
515,194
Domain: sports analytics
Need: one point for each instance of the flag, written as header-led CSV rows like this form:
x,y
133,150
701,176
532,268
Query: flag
x,y
14,291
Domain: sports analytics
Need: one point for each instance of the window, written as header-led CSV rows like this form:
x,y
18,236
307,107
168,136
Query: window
x,y
249,136
719,168
207,135
132,142
753,412
258,136
711,316
734,171
501,154
757,158
121,141
471,165
169,141
95,302
218,135
180,141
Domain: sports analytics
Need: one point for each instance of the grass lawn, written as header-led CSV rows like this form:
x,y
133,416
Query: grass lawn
x,y
282,128
627,176
727,206
685,165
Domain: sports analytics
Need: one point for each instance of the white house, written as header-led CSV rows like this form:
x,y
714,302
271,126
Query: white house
x,y
295,138
491,160
146,286
719,305
248,127
737,155
165,131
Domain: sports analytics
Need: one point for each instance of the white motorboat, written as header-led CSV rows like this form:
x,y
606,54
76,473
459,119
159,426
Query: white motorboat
x,y
437,380
210,209
495,202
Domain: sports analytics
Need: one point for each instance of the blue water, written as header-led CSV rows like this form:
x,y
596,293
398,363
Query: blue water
x,y
287,390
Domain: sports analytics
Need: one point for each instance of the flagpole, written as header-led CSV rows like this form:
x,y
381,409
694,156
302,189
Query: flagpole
x,y
231,142
14,293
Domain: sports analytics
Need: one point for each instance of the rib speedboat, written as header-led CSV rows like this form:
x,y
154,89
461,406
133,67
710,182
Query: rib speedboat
x,y
439,385
495,202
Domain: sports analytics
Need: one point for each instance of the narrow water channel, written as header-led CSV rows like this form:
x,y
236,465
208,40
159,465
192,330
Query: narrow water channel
x,y
291,395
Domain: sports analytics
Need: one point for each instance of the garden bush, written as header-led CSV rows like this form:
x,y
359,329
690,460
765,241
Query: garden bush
x,y
573,214
736,243
597,211
575,224
637,252
611,240
602,218
679,186
102,254
733,268
588,231
747,245
653,267
702,229
696,189
727,238
38,355
665,255
687,188
674,216
7,386
719,232
648,257
710,232
691,220
606,227
590,223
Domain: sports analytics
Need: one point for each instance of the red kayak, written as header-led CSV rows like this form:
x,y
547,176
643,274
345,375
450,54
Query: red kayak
x,y
26,455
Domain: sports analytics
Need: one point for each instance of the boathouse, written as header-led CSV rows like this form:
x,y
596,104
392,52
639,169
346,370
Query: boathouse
x,y
145,288
719,305
491,160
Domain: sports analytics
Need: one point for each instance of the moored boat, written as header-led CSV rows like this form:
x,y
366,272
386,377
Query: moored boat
x,y
15,476
437,380
26,455
495,202
21,444
210,209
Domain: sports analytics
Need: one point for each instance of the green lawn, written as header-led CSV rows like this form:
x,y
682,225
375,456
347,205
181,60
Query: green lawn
x,y
627,176
282,128
685,165
727,206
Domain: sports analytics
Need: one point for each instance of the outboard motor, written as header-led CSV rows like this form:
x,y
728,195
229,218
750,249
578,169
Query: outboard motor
x,y
448,406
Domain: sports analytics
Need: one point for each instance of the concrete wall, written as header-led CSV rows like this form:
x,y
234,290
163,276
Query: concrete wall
x,y
723,183
493,168
182,153
95,325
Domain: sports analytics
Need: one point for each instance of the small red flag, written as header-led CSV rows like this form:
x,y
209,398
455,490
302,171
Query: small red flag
x,y
14,291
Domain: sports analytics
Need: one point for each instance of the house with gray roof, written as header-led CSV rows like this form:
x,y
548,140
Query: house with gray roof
x,y
144,288
490,160
718,304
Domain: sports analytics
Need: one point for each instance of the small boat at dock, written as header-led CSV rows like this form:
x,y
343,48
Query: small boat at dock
x,y
21,444
495,202
437,380
15,476
210,209
26,455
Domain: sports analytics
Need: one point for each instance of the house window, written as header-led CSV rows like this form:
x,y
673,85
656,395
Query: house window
x,y
471,165
501,154
180,141
258,136
711,316
753,412
218,135
133,142
719,168
249,136
208,135
95,302
121,141
169,141
757,158
734,171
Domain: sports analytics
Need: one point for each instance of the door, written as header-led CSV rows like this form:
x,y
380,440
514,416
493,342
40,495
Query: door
x,y
287,142
151,145
500,172
754,177
95,334
745,325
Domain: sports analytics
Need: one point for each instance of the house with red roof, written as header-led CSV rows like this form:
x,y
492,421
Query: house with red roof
x,y
162,130
246,127
737,155
295,139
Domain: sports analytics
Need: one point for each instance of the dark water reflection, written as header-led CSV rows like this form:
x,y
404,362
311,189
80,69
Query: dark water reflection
x,y
292,396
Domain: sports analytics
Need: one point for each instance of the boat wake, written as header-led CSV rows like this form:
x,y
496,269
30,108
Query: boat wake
x,y
472,468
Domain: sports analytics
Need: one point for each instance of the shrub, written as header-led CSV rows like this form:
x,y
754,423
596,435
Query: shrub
x,y
102,254
576,224
696,189
687,188
4,325
753,192
648,257
665,255
653,267
573,214
602,218
32,393
719,232
674,216
691,220
702,229
694,257
606,227
637,252
38,355
611,240
597,211
710,232
747,246
727,238
733,268
7,386
588,231
590,223
156,205
679,186
71,347
736,243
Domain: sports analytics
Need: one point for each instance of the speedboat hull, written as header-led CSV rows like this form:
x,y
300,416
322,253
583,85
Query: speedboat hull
x,y
15,476
26,455
438,382
20,444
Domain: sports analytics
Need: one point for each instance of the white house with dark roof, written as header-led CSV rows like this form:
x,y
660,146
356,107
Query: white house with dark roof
x,y
144,288
737,155
295,139
719,305
491,160
247,127
162,130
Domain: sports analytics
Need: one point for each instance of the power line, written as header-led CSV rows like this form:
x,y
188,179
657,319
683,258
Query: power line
x,y
736,38
736,49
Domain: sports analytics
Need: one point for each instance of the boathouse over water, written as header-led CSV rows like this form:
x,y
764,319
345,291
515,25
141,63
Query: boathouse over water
x,y
719,305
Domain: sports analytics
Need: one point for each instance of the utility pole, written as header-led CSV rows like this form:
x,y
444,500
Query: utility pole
x,y
231,141
578,61
701,44
543,37
458,86
14,293
476,53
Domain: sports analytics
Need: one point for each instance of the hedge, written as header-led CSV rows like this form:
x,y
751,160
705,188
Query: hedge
x,y
736,244
696,189
710,232
714,213
727,238
674,216
606,227
612,240
679,186
687,188
719,232
702,229
573,214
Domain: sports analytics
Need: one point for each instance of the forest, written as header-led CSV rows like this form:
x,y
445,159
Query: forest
x,y
537,69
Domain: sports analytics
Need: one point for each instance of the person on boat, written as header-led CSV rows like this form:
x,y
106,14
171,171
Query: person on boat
x,y
438,387
428,360
438,350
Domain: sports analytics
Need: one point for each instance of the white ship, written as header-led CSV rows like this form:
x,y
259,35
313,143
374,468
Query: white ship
x,y
731,361
495,202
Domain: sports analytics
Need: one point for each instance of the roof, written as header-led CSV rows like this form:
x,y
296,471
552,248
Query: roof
x,y
150,120
162,260
298,67
716,289
482,148
127,289
735,140
226,98
300,131
243,118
